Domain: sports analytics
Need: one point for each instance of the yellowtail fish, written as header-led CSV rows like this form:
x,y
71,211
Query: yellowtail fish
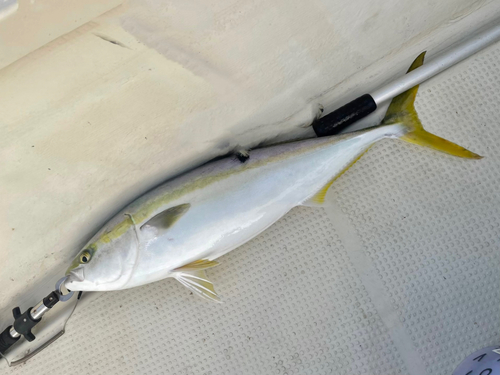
x,y
179,229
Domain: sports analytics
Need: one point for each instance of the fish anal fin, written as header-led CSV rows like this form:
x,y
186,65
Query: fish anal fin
x,y
166,219
197,282
318,199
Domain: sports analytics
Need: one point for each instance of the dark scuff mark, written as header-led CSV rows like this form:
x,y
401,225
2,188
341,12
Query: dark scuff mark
x,y
112,41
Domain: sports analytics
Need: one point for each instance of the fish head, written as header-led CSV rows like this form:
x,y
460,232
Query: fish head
x,y
107,261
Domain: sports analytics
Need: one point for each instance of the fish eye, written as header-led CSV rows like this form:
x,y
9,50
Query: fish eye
x,y
85,257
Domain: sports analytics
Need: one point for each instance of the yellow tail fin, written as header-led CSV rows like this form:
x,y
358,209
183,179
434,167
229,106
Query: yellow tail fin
x,y
402,110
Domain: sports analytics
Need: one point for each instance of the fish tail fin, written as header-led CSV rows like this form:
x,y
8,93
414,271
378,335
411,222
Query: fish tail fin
x,y
402,111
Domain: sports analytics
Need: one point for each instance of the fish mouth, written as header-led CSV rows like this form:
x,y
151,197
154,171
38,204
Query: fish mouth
x,y
76,275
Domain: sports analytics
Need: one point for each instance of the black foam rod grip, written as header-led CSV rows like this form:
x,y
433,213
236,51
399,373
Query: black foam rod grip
x,y
346,115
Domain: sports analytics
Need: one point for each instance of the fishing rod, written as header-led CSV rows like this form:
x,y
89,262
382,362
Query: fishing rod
x,y
339,119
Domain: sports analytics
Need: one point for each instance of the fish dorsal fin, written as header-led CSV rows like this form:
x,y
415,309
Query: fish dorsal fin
x,y
193,277
242,154
318,199
164,220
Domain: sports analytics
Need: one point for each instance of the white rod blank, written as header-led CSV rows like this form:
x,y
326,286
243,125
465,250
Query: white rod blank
x,y
437,65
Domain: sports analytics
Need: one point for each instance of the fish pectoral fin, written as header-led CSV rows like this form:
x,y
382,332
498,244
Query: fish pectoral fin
x,y
165,219
197,282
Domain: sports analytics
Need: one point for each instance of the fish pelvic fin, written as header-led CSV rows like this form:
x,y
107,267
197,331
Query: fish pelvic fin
x,y
402,111
201,264
194,277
